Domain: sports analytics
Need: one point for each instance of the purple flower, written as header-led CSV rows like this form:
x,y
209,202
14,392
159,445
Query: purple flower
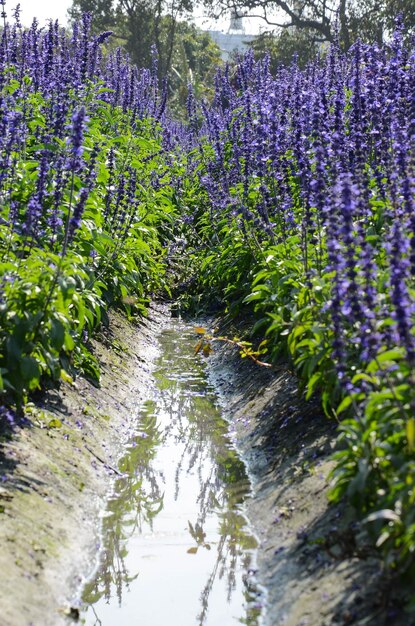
x,y
75,220
401,300
7,417
75,141
102,37
16,15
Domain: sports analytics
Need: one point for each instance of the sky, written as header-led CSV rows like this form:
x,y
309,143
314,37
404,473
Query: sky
x,y
56,9
42,9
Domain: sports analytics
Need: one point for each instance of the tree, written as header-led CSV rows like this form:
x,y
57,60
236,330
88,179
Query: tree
x,y
318,20
185,53
195,60
138,24
285,45
373,21
103,13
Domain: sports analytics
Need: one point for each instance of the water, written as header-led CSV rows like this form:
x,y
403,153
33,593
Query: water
x,y
177,549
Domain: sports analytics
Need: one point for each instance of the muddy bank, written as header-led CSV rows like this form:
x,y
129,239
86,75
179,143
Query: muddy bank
x,y
56,474
314,572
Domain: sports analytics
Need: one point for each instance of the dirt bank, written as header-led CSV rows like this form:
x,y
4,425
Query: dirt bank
x,y
56,473
308,560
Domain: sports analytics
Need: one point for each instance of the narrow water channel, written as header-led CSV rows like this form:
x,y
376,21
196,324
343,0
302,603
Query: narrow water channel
x,y
176,547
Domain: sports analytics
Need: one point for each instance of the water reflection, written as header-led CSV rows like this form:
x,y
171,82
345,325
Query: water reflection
x,y
174,534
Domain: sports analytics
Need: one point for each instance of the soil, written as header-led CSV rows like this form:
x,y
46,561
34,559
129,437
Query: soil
x,y
314,562
56,474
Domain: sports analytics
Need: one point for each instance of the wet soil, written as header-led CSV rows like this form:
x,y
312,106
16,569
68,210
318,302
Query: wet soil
x,y
57,472
313,559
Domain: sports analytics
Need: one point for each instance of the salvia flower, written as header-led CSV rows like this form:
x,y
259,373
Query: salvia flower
x,y
75,141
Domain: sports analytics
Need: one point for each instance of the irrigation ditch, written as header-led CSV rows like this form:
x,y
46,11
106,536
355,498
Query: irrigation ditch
x,y
58,475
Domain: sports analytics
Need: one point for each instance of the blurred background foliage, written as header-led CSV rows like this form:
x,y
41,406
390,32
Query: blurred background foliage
x,y
185,54
291,29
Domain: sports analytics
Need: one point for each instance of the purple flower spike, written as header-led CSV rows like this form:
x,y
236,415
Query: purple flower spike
x,y
75,142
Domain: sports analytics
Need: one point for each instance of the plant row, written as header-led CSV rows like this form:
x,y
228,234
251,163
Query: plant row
x,y
302,212
85,200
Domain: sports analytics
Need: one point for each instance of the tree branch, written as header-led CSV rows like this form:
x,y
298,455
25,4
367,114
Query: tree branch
x,y
321,26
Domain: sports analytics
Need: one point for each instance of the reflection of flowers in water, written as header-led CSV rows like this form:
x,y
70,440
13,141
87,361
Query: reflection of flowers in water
x,y
191,421
198,534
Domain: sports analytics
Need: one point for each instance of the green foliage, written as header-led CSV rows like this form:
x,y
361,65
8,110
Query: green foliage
x,y
289,305
185,53
42,317
282,280
375,458
54,292
166,236
282,47
195,59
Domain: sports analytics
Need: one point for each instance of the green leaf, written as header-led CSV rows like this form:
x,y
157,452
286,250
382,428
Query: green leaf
x,y
385,359
383,538
313,384
69,342
29,368
344,404
326,400
57,334
67,378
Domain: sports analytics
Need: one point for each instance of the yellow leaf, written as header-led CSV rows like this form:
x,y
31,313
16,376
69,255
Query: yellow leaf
x,y
66,377
207,349
129,300
192,550
200,330
55,423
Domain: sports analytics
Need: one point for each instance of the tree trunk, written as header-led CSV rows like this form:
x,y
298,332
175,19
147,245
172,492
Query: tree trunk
x,y
344,28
